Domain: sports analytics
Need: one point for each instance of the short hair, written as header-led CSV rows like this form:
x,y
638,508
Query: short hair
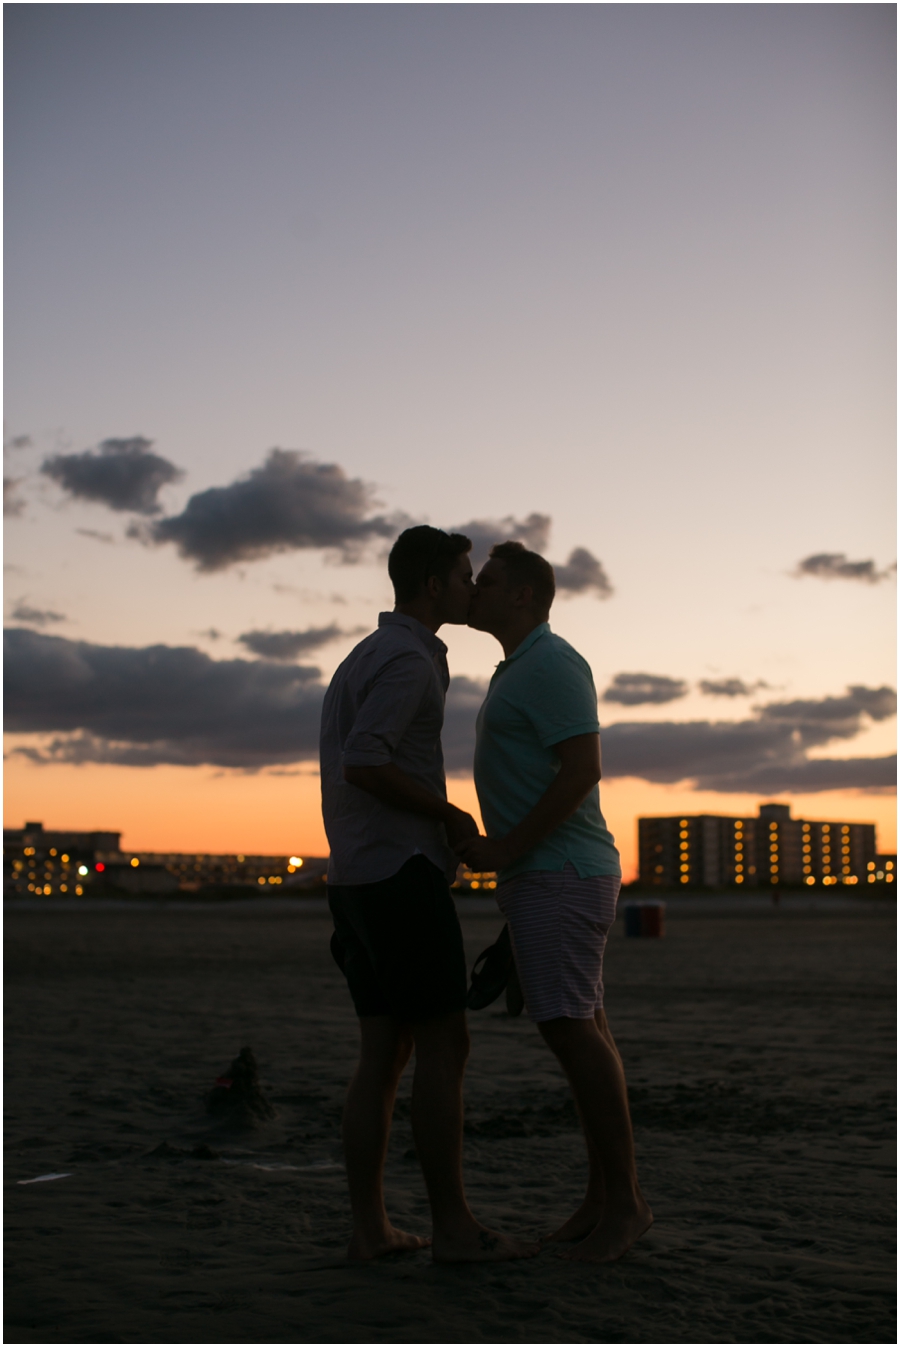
x,y
418,554
528,568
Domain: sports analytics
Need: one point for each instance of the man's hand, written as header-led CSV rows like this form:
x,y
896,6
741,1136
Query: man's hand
x,y
461,828
394,787
483,853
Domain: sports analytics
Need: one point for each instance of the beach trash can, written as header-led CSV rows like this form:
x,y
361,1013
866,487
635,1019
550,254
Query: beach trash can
x,y
653,918
633,921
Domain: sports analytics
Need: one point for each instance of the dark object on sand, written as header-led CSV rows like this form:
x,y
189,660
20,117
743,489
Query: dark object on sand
x,y
645,918
494,972
236,1094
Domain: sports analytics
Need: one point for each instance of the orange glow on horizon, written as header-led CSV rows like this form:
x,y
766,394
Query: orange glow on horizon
x,y
204,809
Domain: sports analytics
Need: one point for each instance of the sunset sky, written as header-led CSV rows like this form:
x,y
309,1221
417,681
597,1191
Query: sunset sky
x,y
282,279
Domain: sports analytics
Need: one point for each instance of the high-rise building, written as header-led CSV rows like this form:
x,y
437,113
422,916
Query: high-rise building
x,y
713,850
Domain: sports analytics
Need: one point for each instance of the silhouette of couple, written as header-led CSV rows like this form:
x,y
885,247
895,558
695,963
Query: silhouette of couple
x,y
396,843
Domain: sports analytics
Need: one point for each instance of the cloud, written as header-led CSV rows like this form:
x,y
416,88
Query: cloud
x,y
641,689
818,721
729,687
581,573
744,756
96,535
39,617
767,753
158,704
12,504
164,704
290,502
287,645
464,697
534,532
122,474
835,566
19,442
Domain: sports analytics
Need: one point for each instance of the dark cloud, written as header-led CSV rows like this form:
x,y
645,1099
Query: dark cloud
x,y
162,704
818,721
767,754
746,756
729,687
290,502
641,689
835,566
534,532
19,442
581,574
12,504
287,645
122,474
38,617
464,697
158,704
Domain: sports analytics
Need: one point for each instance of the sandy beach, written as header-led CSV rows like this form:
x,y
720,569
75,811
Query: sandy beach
x,y
759,1046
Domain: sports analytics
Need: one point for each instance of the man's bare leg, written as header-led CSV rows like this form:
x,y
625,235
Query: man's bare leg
x,y
442,1046
583,1221
385,1048
614,1213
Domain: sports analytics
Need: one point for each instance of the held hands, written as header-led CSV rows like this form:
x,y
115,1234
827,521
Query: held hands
x,y
483,853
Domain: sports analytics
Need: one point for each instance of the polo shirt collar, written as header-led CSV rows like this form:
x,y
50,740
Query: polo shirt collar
x,y
523,646
432,643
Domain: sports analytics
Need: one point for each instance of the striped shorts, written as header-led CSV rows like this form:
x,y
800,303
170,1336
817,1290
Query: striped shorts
x,y
558,924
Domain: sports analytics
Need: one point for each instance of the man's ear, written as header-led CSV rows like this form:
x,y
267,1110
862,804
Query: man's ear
x,y
433,587
524,596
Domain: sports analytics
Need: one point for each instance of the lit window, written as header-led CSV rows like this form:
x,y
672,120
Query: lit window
x,y
683,823
871,865
739,879
135,862
810,880
685,879
889,865
738,868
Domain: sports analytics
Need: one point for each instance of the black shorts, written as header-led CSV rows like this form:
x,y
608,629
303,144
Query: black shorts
x,y
399,943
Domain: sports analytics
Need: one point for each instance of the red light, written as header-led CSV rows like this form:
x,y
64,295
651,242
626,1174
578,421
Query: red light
x,y
99,866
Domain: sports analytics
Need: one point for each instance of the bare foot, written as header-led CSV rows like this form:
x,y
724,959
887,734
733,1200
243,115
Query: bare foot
x,y
481,1246
614,1234
578,1226
391,1240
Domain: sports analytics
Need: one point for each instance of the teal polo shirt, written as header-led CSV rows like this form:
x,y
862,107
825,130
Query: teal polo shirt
x,y
542,694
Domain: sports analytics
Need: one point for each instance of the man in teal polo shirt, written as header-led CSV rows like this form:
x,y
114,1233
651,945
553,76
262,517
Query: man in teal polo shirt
x,y
537,769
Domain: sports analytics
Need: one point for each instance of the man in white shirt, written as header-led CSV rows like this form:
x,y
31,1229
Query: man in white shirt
x,y
397,935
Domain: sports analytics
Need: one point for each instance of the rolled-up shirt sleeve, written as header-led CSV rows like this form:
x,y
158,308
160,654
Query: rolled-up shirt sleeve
x,y
389,707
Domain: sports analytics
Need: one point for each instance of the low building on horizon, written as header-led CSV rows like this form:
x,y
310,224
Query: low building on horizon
x,y
771,850
69,863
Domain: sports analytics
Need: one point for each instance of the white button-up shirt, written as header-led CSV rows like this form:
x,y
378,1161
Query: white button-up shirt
x,y
385,704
